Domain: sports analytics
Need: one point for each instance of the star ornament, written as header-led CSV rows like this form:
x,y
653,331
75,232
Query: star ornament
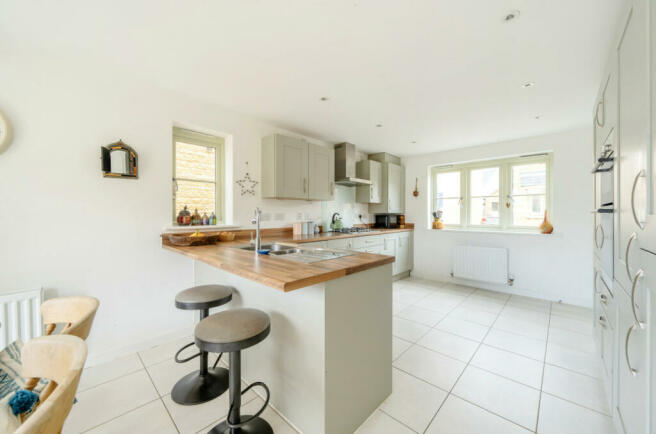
x,y
247,185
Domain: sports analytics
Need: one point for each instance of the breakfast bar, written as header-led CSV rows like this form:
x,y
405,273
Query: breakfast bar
x,y
327,359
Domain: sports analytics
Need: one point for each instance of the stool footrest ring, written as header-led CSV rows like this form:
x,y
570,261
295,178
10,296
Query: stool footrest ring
x,y
259,412
178,360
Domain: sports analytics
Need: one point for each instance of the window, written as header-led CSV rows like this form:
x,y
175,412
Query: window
x,y
197,173
497,194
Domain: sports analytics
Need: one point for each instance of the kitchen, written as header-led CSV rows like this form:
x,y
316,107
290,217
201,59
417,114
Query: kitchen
x,y
398,231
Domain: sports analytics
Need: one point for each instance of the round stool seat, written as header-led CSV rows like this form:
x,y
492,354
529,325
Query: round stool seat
x,y
203,297
232,330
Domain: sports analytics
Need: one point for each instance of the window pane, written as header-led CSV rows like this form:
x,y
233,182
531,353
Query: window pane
x,y
484,211
529,179
195,162
448,185
450,210
528,210
485,182
199,196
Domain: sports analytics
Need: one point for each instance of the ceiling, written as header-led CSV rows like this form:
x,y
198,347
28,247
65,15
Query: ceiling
x,y
436,74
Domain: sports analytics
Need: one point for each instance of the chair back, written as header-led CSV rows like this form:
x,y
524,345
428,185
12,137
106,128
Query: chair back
x,y
76,312
59,358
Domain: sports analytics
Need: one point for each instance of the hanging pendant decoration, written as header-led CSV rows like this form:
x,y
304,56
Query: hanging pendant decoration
x,y
247,184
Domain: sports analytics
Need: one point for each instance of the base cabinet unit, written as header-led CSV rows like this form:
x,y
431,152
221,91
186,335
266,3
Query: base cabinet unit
x,y
632,378
397,244
605,328
373,171
293,168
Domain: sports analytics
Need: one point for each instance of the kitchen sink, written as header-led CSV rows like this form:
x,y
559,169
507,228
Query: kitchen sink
x,y
296,254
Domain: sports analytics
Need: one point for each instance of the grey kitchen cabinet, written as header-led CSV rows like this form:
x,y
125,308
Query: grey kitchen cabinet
x,y
373,171
292,168
403,253
632,396
389,249
392,191
321,174
634,123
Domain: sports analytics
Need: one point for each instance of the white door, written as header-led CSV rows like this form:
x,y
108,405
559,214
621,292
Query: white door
x,y
634,136
292,167
321,172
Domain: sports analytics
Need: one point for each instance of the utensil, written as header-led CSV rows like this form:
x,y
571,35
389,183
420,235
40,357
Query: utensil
x,y
416,192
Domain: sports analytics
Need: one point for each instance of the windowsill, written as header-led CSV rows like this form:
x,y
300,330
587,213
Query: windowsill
x,y
200,228
497,232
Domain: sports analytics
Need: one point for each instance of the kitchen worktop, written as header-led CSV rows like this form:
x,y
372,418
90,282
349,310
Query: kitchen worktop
x,y
275,271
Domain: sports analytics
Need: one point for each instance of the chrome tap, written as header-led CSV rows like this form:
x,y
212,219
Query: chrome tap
x,y
256,221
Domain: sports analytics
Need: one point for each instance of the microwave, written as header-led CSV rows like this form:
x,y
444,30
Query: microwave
x,y
387,221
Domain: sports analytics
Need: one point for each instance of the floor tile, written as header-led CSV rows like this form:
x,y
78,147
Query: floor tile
x,y
473,315
464,329
398,307
408,296
523,314
571,324
412,402
99,374
579,361
420,315
165,374
535,304
449,344
491,294
525,346
577,388
166,351
380,423
151,418
572,340
515,367
506,398
435,368
570,311
109,400
191,418
524,328
408,330
558,416
441,302
460,417
399,346
484,304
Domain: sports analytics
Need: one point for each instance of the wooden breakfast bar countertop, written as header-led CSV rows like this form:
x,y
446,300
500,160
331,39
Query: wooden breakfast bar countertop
x,y
275,271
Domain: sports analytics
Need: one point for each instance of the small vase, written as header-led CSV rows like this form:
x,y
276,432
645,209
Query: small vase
x,y
546,227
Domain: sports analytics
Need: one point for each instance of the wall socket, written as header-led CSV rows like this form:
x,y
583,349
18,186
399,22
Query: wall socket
x,y
299,216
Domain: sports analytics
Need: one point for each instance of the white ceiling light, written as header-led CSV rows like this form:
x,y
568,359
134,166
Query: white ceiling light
x,y
324,98
379,125
528,84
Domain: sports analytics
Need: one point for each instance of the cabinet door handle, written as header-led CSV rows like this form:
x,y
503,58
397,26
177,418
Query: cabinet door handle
x,y
640,174
599,104
594,283
626,255
637,277
633,371
603,236
602,321
603,299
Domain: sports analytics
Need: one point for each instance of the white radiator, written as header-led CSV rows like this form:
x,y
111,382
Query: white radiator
x,y
20,316
484,264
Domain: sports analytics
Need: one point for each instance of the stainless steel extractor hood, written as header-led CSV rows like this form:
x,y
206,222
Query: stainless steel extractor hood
x,y
345,166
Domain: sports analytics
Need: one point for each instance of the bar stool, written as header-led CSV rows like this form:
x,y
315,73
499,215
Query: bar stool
x,y
205,384
231,331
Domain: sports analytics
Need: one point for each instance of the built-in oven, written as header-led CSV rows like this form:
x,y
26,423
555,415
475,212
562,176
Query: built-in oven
x,y
604,209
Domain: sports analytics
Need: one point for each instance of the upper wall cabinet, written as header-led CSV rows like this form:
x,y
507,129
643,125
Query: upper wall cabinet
x,y
392,198
292,168
373,171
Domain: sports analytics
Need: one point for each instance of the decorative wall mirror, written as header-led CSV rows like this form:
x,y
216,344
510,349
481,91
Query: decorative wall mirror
x,y
119,161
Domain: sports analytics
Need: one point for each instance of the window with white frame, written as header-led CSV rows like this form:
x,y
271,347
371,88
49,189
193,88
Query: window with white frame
x,y
198,168
503,194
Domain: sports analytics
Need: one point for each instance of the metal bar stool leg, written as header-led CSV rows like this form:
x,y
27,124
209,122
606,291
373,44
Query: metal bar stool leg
x,y
235,423
202,385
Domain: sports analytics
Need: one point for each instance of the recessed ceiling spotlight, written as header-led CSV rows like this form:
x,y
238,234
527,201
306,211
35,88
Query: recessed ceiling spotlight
x,y
528,84
538,117
379,125
413,142
324,98
511,16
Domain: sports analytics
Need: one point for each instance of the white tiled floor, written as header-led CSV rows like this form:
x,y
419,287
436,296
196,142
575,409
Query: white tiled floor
x,y
465,361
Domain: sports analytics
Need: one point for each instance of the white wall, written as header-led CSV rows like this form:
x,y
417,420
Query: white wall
x,y
553,267
71,231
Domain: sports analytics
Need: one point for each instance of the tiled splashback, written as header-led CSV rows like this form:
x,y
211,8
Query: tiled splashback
x,y
346,206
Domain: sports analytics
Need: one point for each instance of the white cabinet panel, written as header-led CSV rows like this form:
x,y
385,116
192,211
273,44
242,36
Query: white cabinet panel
x,y
321,172
373,171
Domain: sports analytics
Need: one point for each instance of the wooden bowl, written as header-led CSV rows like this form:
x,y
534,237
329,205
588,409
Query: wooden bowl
x,y
189,239
226,236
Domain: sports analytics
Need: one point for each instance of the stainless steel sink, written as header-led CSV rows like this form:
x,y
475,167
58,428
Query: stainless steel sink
x,y
275,247
297,254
